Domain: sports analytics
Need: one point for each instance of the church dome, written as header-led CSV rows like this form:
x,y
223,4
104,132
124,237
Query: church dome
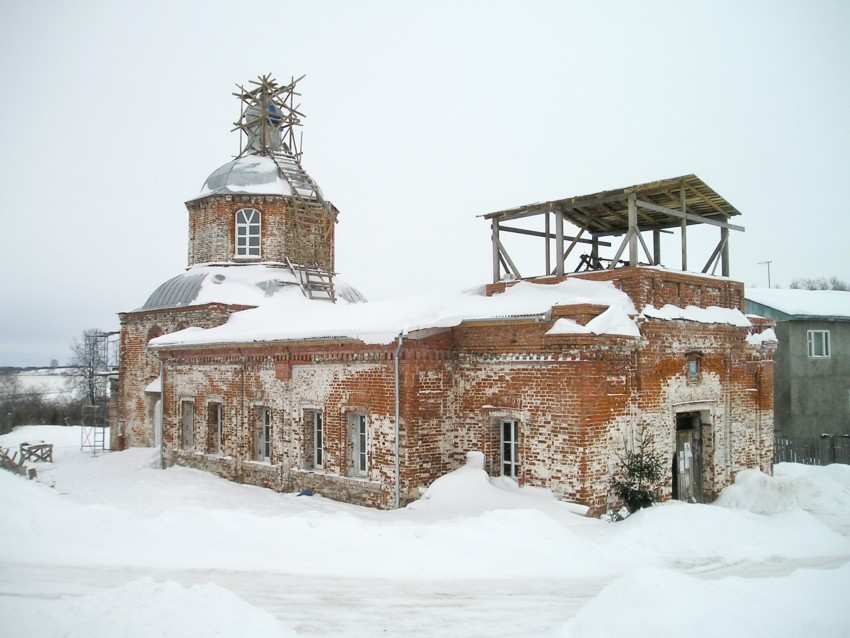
x,y
250,174
247,285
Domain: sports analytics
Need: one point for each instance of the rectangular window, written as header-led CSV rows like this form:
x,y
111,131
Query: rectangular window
x,y
215,428
318,440
818,343
359,442
263,435
187,419
510,453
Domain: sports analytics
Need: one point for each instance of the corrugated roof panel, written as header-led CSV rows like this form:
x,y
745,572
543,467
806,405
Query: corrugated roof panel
x,y
177,291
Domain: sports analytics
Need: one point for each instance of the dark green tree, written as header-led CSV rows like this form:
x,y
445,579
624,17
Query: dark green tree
x,y
637,480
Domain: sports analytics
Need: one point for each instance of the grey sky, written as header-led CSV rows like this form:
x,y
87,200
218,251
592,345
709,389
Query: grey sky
x,y
420,116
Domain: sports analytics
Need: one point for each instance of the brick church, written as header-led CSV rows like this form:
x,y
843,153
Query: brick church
x,y
260,365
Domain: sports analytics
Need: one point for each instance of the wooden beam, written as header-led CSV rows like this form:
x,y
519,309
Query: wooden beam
x,y
561,204
620,250
559,243
497,273
633,230
708,201
507,257
548,263
645,247
537,233
713,258
698,219
656,247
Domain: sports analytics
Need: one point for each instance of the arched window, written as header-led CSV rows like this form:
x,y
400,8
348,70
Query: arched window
x,y
248,233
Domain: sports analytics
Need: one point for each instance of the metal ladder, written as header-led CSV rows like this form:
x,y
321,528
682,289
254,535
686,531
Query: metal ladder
x,y
311,214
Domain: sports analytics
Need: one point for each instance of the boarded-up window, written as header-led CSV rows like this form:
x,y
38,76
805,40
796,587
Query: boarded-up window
x,y
187,419
215,428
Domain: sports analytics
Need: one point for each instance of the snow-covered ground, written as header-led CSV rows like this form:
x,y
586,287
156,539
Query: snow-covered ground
x,y
106,545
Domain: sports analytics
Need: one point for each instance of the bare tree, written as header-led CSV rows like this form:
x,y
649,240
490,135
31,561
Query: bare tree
x,y
89,357
821,283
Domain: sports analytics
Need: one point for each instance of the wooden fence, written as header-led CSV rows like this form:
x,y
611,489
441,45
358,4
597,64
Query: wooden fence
x,y
812,451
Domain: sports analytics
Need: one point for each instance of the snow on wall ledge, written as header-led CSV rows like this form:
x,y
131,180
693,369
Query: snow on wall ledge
x,y
712,314
288,315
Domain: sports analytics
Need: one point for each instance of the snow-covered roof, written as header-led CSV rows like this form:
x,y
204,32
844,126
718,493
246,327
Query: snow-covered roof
x,y
251,174
798,303
712,314
242,284
288,316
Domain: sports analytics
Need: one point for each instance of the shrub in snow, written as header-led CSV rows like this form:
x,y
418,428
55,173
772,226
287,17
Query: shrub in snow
x,y
637,480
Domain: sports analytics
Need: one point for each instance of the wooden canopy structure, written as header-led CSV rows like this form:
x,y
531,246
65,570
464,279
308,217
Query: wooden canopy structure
x,y
659,206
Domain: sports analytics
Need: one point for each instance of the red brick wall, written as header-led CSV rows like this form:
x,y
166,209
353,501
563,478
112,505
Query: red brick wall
x,y
658,287
138,368
578,399
212,223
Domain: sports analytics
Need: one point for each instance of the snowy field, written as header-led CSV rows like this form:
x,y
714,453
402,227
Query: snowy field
x,y
105,545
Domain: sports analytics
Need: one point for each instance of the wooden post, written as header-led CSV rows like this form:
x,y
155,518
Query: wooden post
x,y
559,243
633,231
497,275
548,242
724,237
594,252
656,247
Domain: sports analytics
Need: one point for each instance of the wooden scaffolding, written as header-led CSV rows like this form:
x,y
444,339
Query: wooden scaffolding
x,y
654,207
267,124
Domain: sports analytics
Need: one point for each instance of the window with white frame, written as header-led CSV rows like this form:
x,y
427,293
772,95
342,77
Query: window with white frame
x,y
263,435
509,431
359,440
248,233
187,420
215,428
818,343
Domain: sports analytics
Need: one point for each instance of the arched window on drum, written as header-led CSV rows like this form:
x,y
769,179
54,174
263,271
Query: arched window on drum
x,y
248,233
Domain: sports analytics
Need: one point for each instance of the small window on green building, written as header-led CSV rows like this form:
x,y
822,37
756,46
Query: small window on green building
x,y
818,344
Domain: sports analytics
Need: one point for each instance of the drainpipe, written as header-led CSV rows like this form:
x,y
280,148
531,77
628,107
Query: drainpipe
x,y
397,416
159,428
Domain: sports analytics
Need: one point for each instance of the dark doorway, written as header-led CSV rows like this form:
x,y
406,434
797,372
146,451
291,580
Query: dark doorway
x,y
687,461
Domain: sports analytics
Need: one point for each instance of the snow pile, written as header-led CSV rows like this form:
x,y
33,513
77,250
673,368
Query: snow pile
x,y
663,602
712,314
469,490
117,547
144,608
288,315
804,303
821,491
613,321
708,536
767,335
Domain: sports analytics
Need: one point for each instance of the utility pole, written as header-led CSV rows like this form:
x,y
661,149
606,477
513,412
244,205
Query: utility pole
x,y
768,271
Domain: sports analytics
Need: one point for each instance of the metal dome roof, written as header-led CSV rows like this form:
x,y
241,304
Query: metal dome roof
x,y
253,174
177,291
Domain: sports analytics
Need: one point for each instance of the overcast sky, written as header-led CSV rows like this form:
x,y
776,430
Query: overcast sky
x,y
420,117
